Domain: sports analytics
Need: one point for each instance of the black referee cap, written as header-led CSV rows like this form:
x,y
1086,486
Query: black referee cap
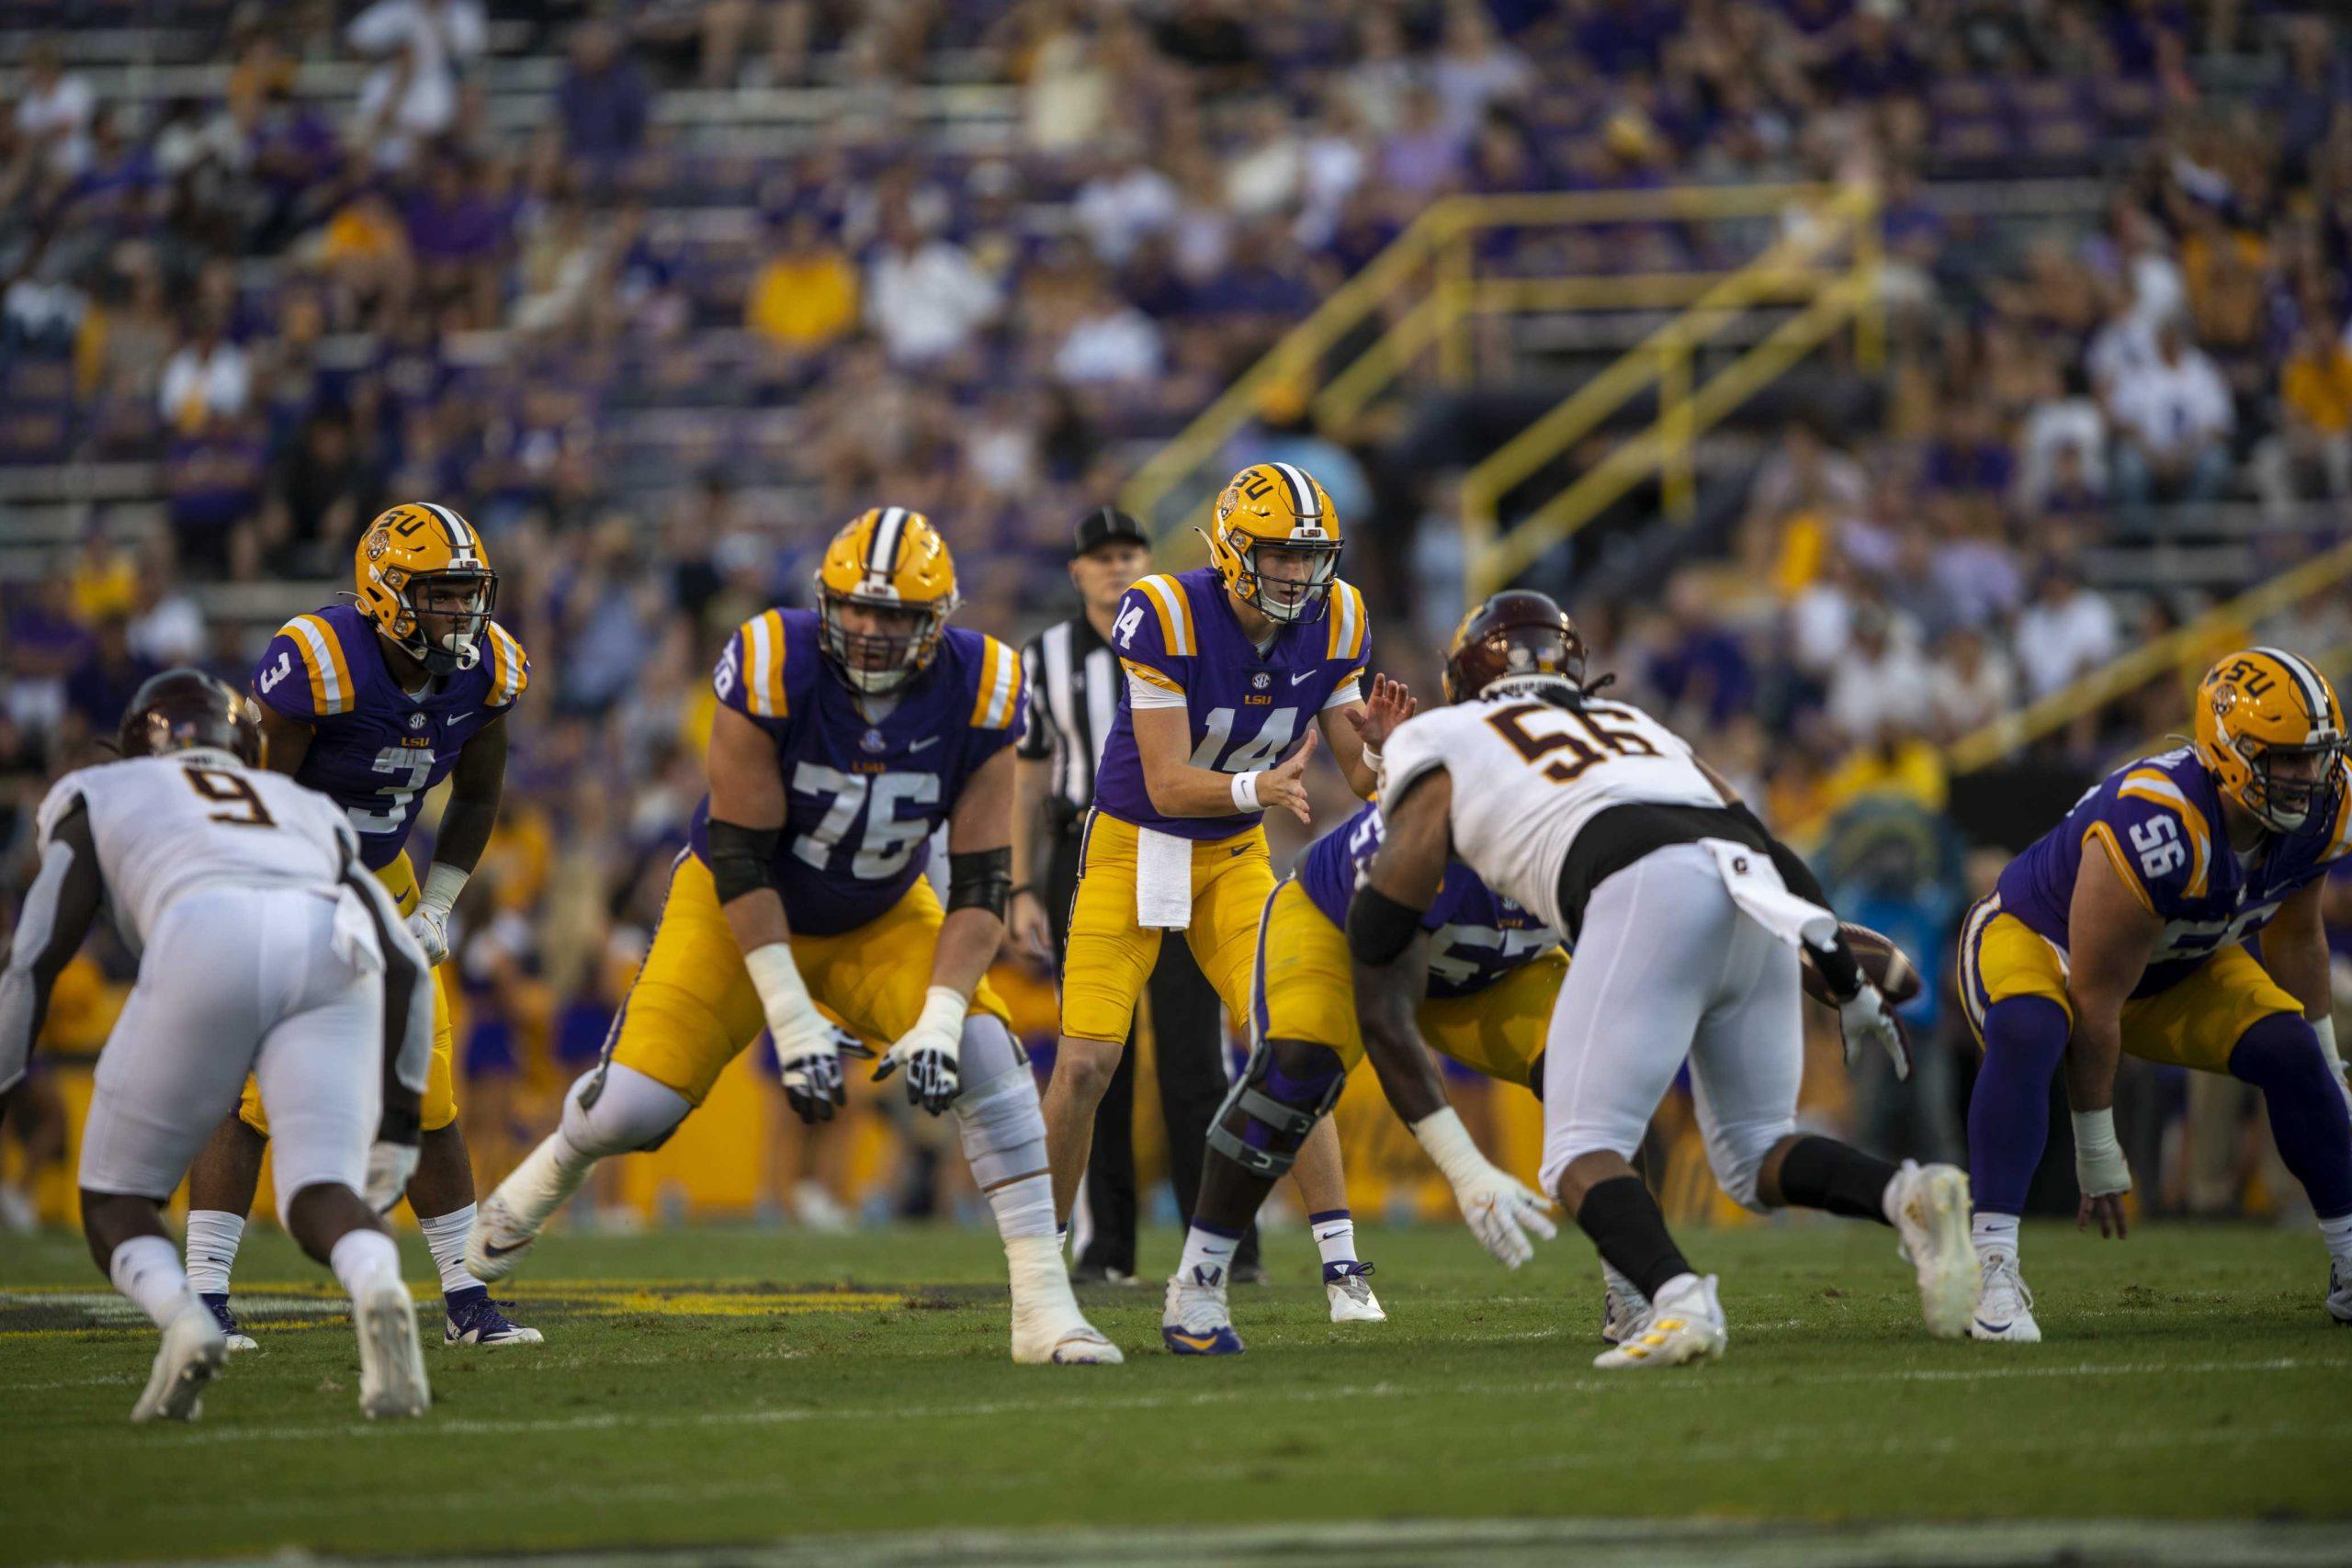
x,y
1104,525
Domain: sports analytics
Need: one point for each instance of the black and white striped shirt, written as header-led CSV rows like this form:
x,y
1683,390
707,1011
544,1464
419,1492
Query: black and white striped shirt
x,y
1073,680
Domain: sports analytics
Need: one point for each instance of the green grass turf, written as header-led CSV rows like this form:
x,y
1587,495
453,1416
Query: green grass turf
x,y
2188,1373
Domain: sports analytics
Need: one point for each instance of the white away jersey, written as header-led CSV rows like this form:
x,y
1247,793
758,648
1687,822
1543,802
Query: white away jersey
x,y
1527,776
165,825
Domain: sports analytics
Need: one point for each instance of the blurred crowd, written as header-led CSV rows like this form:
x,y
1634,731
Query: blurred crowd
x,y
657,348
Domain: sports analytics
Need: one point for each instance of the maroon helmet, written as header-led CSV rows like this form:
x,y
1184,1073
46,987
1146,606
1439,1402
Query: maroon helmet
x,y
1518,633
180,709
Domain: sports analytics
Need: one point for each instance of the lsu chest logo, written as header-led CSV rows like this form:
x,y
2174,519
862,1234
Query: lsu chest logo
x,y
275,673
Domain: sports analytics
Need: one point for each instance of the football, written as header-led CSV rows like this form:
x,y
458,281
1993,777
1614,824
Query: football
x,y
1889,967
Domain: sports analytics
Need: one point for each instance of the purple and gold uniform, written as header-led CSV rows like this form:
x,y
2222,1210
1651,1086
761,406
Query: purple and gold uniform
x,y
1178,639
1495,969
2159,823
375,750
863,800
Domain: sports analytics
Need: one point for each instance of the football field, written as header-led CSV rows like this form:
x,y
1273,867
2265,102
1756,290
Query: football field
x,y
759,1388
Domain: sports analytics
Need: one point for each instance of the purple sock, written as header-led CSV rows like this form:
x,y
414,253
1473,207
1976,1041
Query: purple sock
x,y
2008,1114
2281,1055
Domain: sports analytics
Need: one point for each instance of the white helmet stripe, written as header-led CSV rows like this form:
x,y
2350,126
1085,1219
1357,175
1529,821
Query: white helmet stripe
x,y
888,530
2315,690
1302,492
461,538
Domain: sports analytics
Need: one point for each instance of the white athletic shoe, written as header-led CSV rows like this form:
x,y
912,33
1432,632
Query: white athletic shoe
x,y
193,1349
2004,1306
1195,1320
1686,1324
2339,1296
499,1240
1622,1315
391,1361
1064,1340
1931,1212
1351,1297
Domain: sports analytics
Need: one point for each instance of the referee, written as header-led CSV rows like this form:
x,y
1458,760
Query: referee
x,y
1075,689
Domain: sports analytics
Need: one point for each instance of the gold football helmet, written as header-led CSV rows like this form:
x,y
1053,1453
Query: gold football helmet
x,y
890,564
2271,732
1273,510
421,563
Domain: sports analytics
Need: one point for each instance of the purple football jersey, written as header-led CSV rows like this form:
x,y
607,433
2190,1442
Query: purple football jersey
x,y
2159,822
1480,936
1247,710
374,748
863,799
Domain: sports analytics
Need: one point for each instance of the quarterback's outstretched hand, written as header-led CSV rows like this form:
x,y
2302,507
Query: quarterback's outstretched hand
x,y
929,1052
1285,784
1390,705
1865,1019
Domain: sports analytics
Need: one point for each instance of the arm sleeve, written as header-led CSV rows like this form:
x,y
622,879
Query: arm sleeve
x,y
56,915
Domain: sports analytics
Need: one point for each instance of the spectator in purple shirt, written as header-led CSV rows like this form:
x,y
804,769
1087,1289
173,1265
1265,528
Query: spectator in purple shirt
x,y
458,234
603,101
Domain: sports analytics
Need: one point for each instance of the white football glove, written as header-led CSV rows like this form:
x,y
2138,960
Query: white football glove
x,y
1502,1211
929,1052
430,928
389,1165
808,1047
2100,1169
1866,1019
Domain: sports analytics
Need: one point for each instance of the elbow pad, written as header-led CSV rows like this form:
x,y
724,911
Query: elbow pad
x,y
1379,927
740,858
981,880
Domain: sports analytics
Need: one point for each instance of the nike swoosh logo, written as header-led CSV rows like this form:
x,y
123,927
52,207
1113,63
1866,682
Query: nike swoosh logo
x,y
1197,1341
458,718
1992,1328
494,1251
1309,675
919,745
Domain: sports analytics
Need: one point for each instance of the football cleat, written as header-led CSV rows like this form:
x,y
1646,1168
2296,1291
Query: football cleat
x,y
2339,1296
193,1349
2004,1306
1622,1312
1931,1215
478,1321
1195,1320
500,1239
217,1303
1351,1299
1685,1326
391,1361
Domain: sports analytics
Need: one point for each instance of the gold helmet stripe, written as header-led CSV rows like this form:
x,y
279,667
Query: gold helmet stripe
x,y
1303,506
889,532
2308,684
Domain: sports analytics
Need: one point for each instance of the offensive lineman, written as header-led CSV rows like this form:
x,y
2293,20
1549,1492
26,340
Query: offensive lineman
x,y
372,704
2079,957
1226,666
843,738
1688,917
263,949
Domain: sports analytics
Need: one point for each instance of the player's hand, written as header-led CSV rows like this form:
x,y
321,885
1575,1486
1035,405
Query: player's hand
x,y
389,1165
2108,1210
1285,784
1390,705
1504,1214
430,928
1865,1019
930,1051
1032,934
2102,1173
809,1053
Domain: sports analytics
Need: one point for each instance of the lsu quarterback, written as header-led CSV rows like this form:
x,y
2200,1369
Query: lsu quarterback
x,y
2124,928
843,738
373,702
1230,670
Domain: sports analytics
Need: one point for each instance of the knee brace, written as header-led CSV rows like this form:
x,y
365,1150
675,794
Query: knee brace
x,y
1275,1104
998,1116
619,1111
2281,1055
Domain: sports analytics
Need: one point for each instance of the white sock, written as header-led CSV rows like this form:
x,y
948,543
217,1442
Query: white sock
x,y
1994,1232
2338,1234
1335,1236
361,1258
547,1179
147,1269
1615,1277
445,1235
1025,1208
213,1235
1207,1256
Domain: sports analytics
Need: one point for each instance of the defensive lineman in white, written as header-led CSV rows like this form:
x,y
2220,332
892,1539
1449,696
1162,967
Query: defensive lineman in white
x,y
265,949
1687,919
